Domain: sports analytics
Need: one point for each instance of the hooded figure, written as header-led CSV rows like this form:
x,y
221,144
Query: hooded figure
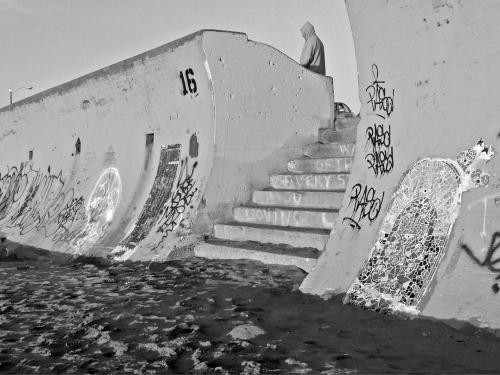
x,y
313,53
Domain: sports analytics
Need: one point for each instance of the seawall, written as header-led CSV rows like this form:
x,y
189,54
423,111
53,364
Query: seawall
x,y
138,159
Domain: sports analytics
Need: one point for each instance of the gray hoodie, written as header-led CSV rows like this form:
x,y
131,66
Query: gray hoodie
x,y
313,54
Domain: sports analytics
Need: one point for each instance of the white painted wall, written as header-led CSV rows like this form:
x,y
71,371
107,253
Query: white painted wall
x,y
254,108
440,57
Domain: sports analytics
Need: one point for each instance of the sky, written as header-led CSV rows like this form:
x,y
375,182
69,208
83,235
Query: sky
x,y
46,43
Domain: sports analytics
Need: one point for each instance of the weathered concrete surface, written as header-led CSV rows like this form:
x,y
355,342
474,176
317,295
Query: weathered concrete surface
x,y
134,159
427,78
286,217
305,259
298,198
329,135
320,165
297,237
321,150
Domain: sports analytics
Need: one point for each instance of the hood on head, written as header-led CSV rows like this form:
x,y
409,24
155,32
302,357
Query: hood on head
x,y
307,30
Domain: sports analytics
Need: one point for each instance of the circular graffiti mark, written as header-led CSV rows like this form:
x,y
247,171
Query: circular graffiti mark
x,y
101,207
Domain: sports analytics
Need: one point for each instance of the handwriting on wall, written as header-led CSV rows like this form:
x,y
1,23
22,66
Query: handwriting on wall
x,y
365,205
380,156
491,260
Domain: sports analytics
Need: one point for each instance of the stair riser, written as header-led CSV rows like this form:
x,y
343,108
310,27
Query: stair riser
x,y
298,199
310,182
285,218
330,150
275,236
210,251
327,135
324,165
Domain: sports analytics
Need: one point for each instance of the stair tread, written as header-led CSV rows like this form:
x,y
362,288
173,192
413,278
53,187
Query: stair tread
x,y
300,252
307,173
289,208
278,228
304,190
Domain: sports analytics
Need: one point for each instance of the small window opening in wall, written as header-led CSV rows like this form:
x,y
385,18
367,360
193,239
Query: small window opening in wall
x,y
150,138
78,146
30,155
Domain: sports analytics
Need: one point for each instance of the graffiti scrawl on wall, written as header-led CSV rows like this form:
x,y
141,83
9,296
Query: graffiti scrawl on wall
x,y
380,153
381,100
491,260
159,195
34,200
413,236
365,205
182,198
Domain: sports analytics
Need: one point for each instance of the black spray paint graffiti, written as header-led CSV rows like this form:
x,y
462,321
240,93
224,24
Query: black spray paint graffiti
x,y
159,195
34,200
185,191
489,262
380,155
365,205
379,99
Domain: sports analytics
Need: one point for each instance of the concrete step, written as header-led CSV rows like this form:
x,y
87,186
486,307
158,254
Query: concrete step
x,y
320,165
299,198
316,181
286,217
328,135
266,253
296,237
329,150
345,123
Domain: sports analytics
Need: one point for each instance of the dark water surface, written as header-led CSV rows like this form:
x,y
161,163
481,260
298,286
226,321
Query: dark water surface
x,y
84,316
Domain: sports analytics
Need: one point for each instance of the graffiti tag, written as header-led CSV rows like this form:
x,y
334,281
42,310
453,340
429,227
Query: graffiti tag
x,y
489,261
380,155
365,205
185,191
35,200
380,100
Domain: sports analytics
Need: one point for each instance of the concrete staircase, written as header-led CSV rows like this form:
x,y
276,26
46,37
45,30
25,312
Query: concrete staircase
x,y
290,222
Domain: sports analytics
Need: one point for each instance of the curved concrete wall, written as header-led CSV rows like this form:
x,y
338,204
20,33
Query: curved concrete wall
x,y
118,161
428,84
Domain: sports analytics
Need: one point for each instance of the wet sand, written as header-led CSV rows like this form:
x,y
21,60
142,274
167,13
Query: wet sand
x,y
92,316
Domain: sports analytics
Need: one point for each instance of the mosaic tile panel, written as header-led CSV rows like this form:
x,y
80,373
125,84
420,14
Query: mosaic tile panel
x,y
411,241
413,236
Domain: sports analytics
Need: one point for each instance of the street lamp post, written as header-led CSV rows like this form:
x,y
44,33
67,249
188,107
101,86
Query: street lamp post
x,y
13,91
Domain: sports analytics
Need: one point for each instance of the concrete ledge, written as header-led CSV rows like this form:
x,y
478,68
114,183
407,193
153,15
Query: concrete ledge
x,y
346,123
214,249
297,237
320,165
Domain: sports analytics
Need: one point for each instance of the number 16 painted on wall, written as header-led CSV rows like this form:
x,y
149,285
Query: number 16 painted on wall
x,y
188,82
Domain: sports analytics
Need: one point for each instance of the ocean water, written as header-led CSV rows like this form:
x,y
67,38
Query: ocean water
x,y
196,316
